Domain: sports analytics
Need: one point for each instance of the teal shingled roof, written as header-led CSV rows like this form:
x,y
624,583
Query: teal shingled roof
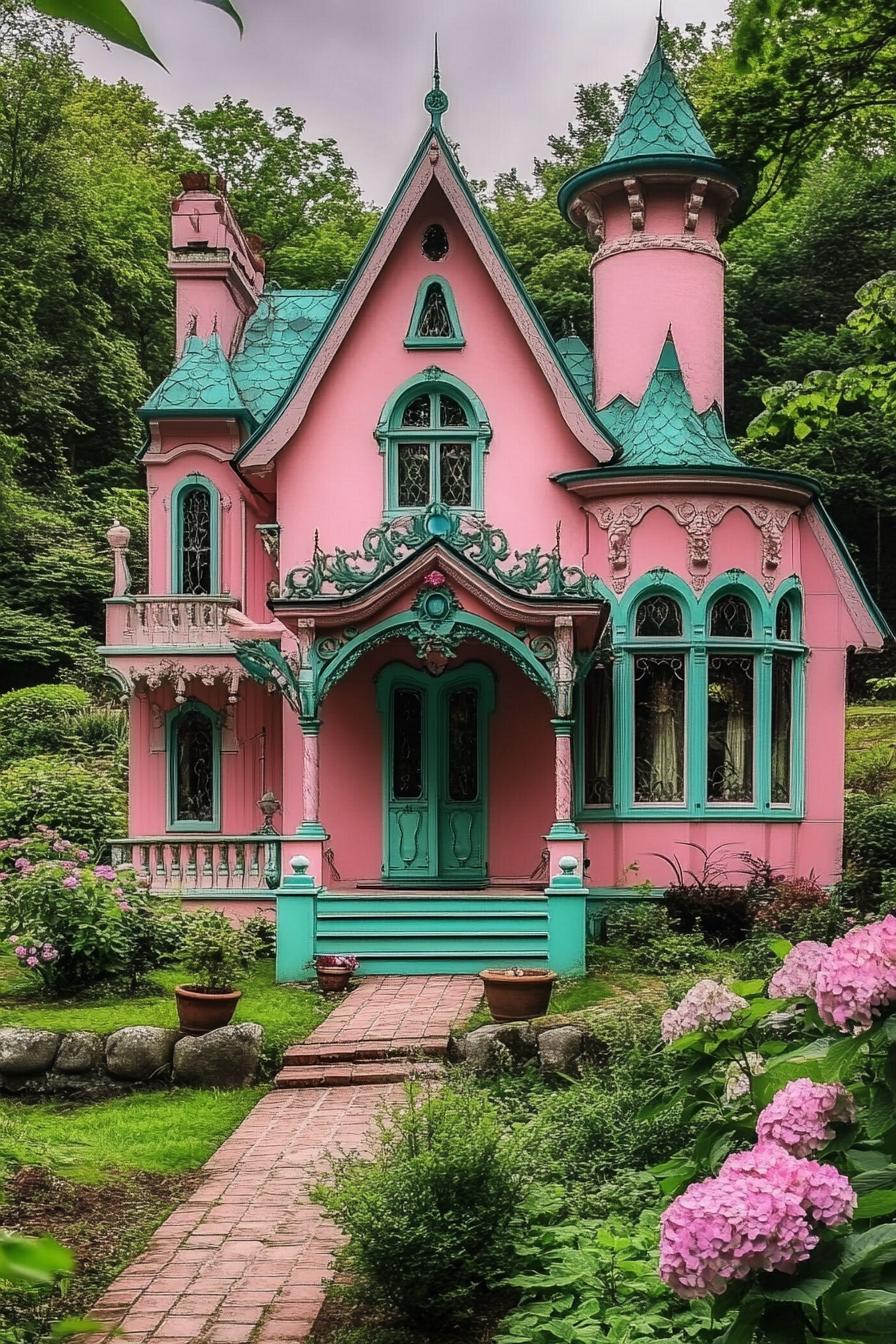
x,y
277,338
579,360
658,118
201,383
664,430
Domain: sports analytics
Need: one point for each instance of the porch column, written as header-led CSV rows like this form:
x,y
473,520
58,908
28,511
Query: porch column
x,y
311,833
564,838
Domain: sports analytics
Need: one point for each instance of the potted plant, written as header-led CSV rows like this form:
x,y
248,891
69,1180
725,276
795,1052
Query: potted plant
x,y
334,970
215,953
517,993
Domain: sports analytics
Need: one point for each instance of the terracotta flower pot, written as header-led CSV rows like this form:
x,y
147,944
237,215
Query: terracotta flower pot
x,y
517,994
333,979
200,1011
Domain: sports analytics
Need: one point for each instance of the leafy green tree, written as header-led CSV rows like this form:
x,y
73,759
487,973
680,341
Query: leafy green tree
x,y
298,194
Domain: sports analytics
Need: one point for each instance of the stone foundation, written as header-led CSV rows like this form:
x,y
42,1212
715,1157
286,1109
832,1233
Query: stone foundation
x,y
85,1064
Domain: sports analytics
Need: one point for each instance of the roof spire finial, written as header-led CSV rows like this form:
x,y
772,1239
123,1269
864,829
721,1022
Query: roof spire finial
x,y
436,101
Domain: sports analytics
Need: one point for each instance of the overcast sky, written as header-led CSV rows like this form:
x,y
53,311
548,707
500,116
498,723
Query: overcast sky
x,y
357,70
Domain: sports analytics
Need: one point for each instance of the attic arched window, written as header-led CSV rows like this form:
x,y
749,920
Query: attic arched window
x,y
434,322
434,436
194,768
194,527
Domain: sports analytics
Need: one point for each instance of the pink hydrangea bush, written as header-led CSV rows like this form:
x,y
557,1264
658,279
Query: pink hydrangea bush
x,y
801,1118
74,924
797,974
761,1212
707,1004
857,977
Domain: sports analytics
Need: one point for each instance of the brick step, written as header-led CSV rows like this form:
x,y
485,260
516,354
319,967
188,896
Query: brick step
x,y
358,1052
353,1075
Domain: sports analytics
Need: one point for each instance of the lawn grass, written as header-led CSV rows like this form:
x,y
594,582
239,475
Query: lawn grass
x,y
869,727
570,996
159,1132
287,1012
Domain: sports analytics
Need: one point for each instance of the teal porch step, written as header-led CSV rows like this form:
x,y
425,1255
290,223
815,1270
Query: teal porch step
x,y
424,932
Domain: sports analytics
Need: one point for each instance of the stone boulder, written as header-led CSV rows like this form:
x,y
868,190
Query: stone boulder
x,y
80,1052
137,1054
499,1046
560,1050
225,1058
25,1050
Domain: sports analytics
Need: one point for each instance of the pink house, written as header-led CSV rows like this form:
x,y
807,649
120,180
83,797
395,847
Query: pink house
x,y
452,628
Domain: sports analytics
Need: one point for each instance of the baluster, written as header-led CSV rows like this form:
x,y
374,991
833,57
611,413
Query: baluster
x,y
223,869
175,871
239,863
191,865
254,862
159,863
207,875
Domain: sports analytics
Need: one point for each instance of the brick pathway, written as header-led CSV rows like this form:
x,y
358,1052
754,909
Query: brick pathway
x,y
248,1256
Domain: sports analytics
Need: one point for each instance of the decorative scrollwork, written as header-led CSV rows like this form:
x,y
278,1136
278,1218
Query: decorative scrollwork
x,y
264,663
532,571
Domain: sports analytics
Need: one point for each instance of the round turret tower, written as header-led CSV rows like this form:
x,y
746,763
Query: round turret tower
x,y
654,207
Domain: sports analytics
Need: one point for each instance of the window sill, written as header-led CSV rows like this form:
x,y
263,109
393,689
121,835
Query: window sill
x,y
434,343
586,816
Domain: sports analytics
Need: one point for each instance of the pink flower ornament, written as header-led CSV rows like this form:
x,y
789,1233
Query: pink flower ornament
x,y
434,579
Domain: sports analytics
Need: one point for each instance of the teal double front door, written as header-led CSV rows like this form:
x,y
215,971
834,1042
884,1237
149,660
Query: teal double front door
x,y
435,761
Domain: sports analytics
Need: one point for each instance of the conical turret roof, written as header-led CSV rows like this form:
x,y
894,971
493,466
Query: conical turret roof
x,y
201,383
658,130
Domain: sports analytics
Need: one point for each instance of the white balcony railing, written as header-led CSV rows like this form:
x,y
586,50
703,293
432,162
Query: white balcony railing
x,y
194,863
160,622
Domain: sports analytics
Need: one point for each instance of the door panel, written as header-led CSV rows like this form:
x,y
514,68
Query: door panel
x,y
436,756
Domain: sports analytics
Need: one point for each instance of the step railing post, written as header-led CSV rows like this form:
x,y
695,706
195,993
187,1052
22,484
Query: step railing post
x,y
296,921
567,899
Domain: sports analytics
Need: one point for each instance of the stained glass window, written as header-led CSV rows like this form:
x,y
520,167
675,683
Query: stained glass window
x,y
435,319
195,507
413,475
598,712
194,748
435,242
407,750
783,621
730,618
455,478
463,746
729,758
782,726
434,446
658,616
659,729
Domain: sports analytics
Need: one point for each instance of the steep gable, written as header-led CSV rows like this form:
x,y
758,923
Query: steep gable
x,y
434,162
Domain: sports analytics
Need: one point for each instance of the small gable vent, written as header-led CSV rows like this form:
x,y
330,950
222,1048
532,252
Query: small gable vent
x,y
435,242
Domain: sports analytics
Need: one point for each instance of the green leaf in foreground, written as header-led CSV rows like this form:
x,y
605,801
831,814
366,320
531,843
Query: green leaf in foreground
x,y
110,19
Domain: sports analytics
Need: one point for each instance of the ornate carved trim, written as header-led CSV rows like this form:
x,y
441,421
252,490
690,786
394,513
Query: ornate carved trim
x,y
771,523
638,242
694,204
845,582
534,572
635,202
588,214
169,671
270,539
618,525
698,521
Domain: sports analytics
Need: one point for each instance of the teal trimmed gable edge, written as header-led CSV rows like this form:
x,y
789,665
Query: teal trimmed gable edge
x,y
413,340
436,132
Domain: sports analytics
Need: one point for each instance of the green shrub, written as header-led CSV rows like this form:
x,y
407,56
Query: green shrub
x,y
433,1216
873,837
643,928
73,924
85,804
872,772
38,719
216,953
263,928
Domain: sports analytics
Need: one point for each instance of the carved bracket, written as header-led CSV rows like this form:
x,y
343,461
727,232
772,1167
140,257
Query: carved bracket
x,y
168,671
635,202
588,214
618,525
270,539
698,521
694,204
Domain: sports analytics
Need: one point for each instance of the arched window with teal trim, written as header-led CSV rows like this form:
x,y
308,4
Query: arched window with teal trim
x,y
195,515
434,435
194,768
703,713
434,321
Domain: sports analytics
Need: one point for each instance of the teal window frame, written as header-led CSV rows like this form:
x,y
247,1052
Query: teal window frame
x,y
697,646
172,720
390,434
195,481
456,340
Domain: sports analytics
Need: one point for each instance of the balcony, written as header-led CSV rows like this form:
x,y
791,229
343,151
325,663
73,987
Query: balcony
x,y
197,865
172,622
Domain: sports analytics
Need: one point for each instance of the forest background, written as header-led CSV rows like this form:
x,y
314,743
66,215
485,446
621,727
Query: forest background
x,y
799,100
